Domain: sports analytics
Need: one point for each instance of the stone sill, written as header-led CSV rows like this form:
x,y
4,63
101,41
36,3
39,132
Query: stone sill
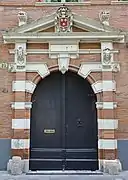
x,y
60,3
119,2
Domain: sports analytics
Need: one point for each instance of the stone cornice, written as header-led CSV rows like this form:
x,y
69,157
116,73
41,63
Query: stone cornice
x,y
60,3
46,51
46,37
116,2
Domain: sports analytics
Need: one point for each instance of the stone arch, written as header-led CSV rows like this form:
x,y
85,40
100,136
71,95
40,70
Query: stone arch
x,y
72,68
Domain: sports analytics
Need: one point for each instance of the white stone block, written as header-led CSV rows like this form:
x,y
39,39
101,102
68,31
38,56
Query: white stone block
x,y
18,105
41,69
106,105
100,86
20,143
26,165
107,144
21,105
112,167
86,69
30,86
20,123
107,123
18,86
22,86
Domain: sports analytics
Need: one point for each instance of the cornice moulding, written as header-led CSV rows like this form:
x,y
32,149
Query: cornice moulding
x,y
87,36
46,51
119,2
60,3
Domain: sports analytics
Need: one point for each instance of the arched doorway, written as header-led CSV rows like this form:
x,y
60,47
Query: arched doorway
x,y
63,124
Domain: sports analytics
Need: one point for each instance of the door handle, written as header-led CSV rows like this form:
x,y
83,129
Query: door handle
x,y
79,122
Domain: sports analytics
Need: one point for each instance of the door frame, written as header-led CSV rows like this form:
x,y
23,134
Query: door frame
x,y
22,145
91,80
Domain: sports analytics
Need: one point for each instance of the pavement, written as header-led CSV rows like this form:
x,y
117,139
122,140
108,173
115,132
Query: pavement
x,y
122,176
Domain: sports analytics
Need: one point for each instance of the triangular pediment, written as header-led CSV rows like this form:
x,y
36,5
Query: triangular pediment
x,y
47,24
56,27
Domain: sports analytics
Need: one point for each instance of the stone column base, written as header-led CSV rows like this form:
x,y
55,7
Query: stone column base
x,y
112,167
17,166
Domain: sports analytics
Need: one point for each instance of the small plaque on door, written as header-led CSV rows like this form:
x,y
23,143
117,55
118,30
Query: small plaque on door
x,y
49,131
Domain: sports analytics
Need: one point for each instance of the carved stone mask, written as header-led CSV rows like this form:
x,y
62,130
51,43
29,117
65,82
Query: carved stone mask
x,y
107,56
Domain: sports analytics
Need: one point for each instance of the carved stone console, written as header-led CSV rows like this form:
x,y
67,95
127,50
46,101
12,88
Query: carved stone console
x,y
15,165
104,17
22,17
112,167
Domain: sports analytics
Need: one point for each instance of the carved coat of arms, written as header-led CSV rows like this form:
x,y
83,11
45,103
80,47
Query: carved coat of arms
x,y
63,19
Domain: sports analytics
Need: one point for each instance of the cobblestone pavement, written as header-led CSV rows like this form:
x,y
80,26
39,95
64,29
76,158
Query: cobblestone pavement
x,y
122,176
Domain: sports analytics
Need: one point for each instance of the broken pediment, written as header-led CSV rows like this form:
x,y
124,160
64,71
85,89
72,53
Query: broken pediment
x,y
64,25
63,20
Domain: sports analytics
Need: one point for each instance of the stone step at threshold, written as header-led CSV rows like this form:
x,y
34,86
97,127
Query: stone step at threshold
x,y
64,173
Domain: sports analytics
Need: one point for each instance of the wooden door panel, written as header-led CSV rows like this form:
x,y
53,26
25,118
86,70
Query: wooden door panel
x,y
46,125
81,127
81,164
63,124
47,114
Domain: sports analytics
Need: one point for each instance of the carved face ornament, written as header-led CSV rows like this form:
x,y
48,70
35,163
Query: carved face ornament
x,y
107,56
104,16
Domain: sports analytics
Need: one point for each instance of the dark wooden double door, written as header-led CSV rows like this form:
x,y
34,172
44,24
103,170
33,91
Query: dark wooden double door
x,y
63,124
